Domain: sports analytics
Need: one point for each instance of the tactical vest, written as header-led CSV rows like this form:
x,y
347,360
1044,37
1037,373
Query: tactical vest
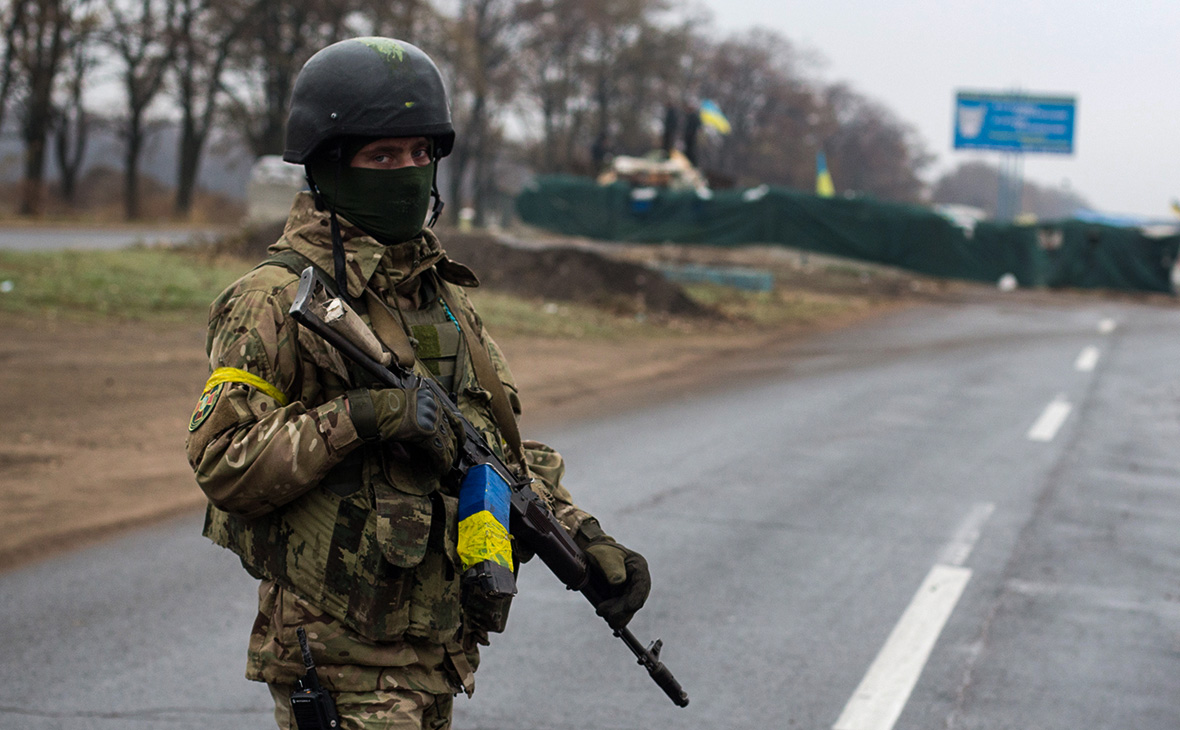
x,y
374,544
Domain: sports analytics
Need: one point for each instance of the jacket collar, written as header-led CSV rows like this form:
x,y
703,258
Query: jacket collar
x,y
308,231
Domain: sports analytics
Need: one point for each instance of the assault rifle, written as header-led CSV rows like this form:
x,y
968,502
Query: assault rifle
x,y
532,523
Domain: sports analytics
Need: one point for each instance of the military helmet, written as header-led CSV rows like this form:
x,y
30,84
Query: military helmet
x,y
368,87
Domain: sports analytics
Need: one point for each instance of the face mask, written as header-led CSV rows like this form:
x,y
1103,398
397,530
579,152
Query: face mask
x,y
389,205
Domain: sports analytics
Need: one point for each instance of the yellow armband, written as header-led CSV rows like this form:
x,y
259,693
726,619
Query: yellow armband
x,y
235,375
213,387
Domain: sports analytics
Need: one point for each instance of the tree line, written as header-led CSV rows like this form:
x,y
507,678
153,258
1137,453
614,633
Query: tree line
x,y
556,85
977,184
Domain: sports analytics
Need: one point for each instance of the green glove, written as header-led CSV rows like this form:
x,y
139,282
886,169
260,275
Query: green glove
x,y
625,570
414,417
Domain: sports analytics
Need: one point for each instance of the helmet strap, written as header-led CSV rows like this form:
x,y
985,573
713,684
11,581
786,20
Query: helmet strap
x,y
318,199
438,201
338,258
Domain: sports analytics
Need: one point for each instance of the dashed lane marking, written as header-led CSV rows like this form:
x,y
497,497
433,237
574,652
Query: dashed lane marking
x,y
883,693
961,545
1050,421
1087,359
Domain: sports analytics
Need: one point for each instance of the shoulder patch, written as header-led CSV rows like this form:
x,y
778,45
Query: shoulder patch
x,y
205,406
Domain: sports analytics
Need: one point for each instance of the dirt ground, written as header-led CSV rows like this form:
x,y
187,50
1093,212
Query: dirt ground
x,y
95,415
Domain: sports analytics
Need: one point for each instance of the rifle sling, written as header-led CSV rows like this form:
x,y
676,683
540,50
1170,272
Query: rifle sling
x,y
489,379
390,331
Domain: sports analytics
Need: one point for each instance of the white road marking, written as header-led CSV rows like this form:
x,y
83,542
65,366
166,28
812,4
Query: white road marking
x,y
957,551
1087,359
882,695
1050,421
1106,326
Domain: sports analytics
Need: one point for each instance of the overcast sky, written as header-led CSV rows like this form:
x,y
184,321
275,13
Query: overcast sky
x,y
1121,60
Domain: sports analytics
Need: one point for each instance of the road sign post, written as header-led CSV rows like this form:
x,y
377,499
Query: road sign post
x,y
1014,124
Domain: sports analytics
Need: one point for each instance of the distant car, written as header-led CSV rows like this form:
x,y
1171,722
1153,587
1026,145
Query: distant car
x,y
273,183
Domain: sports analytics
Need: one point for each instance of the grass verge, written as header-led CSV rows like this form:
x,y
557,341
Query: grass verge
x,y
169,285
136,284
507,315
165,285
780,307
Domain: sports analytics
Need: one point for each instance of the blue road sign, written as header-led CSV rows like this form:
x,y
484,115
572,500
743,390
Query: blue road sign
x,y
1014,122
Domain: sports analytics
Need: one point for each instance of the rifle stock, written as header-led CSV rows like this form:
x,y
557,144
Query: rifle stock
x,y
531,520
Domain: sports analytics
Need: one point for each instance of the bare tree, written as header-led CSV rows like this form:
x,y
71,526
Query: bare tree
x,y
661,71
754,78
72,119
871,150
587,77
282,35
207,33
284,38
482,80
550,62
38,37
13,19
977,184
142,34
602,74
408,20
598,73
45,39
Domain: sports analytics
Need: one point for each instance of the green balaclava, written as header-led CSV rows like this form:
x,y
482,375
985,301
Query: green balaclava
x,y
389,205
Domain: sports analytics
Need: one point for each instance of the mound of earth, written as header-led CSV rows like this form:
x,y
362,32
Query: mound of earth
x,y
551,273
570,274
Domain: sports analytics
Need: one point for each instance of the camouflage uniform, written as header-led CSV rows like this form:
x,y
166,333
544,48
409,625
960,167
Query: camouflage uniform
x,y
353,541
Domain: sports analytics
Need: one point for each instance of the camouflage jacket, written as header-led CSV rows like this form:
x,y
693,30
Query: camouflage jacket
x,y
355,540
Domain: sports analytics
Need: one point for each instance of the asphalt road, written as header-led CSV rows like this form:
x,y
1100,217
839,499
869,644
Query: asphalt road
x,y
40,238
958,517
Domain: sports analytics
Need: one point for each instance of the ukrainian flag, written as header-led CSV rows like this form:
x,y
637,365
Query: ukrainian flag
x,y
711,116
824,187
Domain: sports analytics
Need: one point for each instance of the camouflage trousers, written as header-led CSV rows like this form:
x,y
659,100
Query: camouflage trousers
x,y
399,709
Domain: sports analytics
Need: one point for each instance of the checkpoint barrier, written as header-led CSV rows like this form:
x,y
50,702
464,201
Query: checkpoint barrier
x,y
1048,254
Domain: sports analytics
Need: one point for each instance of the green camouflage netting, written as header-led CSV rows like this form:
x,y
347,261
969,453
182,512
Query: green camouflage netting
x,y
1055,254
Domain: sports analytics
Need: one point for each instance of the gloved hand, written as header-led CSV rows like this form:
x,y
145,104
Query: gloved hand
x,y
625,570
413,417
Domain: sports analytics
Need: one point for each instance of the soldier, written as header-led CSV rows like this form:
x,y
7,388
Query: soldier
x,y
331,489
